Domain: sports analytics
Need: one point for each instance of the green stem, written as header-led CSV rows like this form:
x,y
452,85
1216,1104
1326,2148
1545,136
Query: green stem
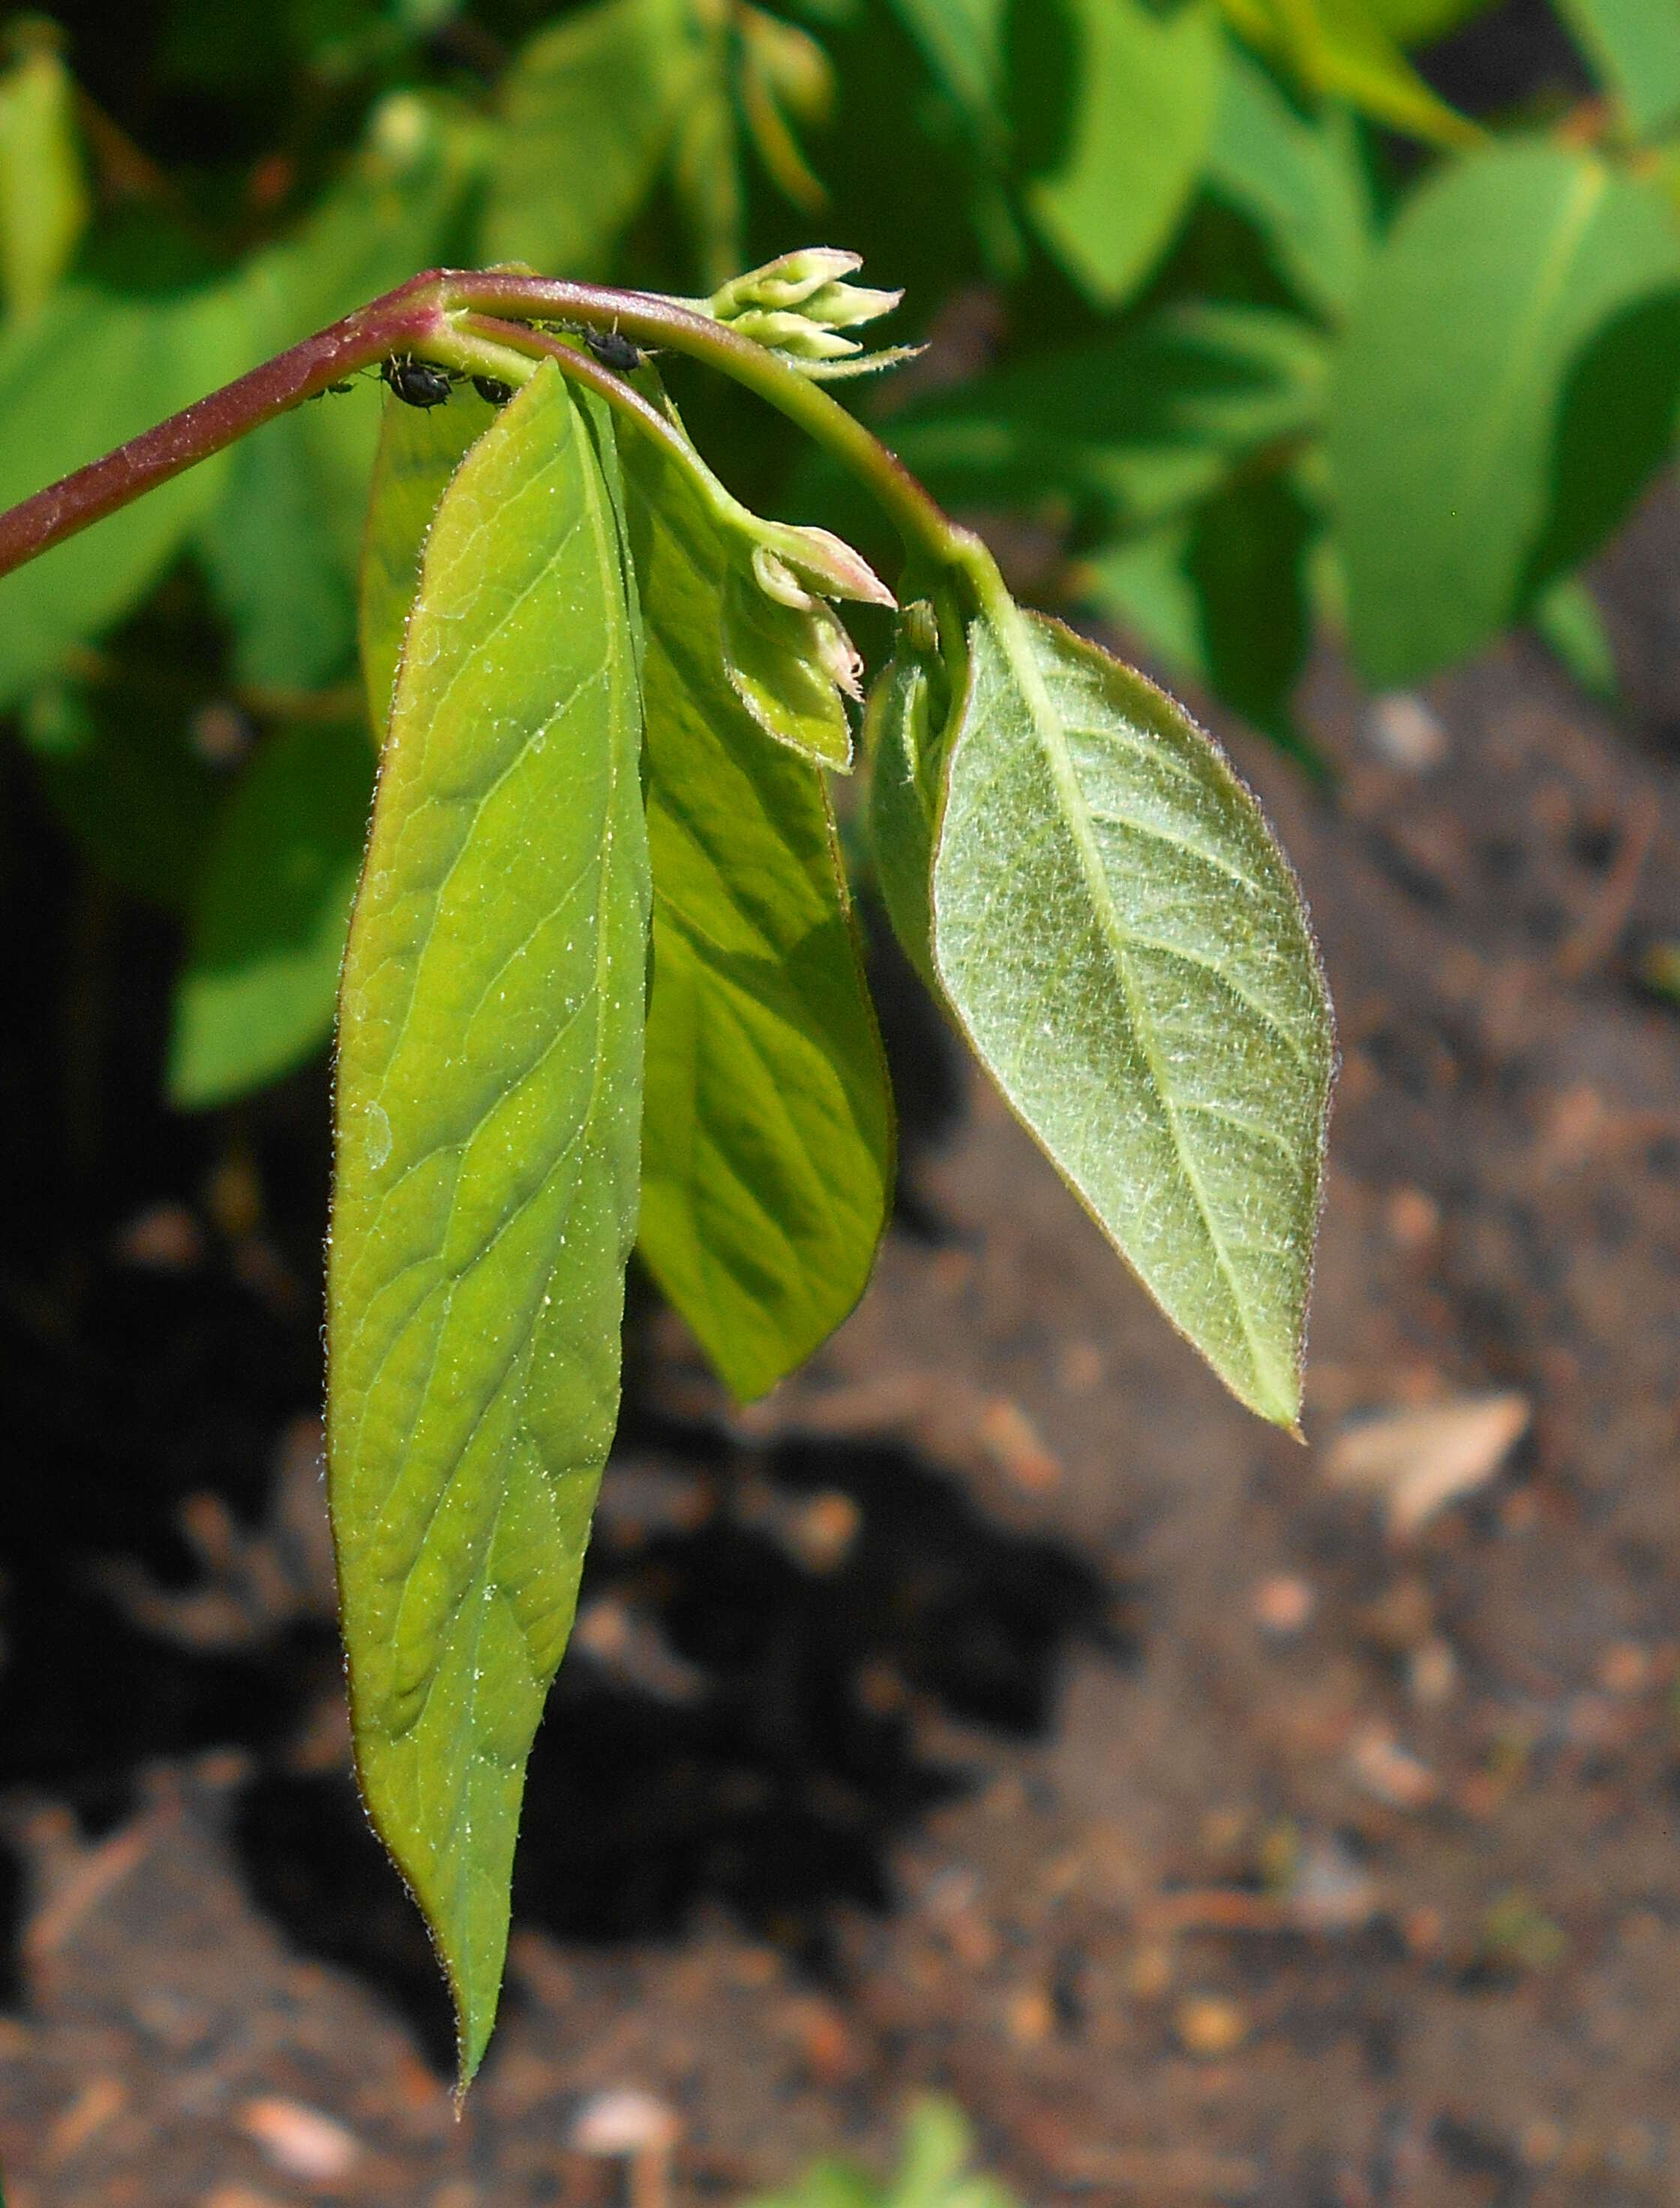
x,y
651,319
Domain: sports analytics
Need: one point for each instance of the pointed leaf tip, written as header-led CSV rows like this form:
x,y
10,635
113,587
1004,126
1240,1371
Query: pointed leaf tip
x,y
1128,950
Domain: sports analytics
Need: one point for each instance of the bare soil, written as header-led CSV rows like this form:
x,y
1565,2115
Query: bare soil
x,y
997,1709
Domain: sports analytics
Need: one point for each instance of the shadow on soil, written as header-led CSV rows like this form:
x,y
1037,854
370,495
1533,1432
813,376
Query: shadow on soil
x,y
737,1723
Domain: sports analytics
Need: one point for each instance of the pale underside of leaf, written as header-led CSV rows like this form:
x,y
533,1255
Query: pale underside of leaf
x,y
767,1157
488,1125
1127,949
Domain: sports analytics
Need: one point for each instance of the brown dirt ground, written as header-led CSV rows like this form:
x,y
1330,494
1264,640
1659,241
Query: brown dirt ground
x,y
1376,1903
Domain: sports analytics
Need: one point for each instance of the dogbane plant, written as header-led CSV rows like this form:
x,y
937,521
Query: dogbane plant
x,y
602,983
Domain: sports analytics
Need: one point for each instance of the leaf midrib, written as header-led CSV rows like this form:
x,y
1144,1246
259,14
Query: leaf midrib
x,y
1018,645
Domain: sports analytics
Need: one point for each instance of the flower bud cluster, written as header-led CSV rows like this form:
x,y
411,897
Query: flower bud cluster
x,y
802,305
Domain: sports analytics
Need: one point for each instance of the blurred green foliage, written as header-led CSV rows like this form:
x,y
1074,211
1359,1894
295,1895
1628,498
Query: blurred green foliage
x,y
1241,333
934,2171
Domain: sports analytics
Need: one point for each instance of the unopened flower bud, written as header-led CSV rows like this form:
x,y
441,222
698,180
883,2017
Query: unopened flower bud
x,y
787,281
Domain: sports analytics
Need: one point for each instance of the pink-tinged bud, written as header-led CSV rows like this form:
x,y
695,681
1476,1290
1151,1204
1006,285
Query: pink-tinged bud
x,y
837,655
826,563
777,580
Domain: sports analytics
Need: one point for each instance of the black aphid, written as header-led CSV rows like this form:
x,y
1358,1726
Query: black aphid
x,y
417,382
613,351
492,390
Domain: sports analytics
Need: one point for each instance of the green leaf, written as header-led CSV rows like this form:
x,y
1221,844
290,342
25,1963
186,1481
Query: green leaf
x,y
43,203
266,551
1417,23
902,738
256,997
706,170
87,373
589,110
487,1138
963,41
118,767
1222,596
1136,99
1127,951
767,1145
95,368
1297,180
1634,47
419,450
1507,385
1567,620
1342,50
283,544
1127,429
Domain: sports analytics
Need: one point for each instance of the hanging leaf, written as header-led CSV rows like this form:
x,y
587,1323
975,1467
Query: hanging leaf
x,y
1507,385
1113,127
767,1147
256,997
1127,949
419,450
488,1130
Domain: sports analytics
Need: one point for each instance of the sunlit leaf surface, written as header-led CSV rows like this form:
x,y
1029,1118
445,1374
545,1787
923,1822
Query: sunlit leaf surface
x,y
767,1169
488,1141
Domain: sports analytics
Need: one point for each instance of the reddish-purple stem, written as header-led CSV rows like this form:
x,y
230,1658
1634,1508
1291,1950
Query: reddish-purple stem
x,y
400,322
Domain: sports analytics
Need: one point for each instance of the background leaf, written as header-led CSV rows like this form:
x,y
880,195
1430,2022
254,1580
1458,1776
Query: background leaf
x,y
257,996
1507,384
1344,50
963,42
589,110
1113,118
1634,47
1222,597
1127,428
44,198
487,1137
767,1141
282,545
1415,22
117,765
1126,949
1567,620
153,358
1298,180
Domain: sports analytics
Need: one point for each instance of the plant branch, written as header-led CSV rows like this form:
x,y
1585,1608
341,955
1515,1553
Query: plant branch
x,y
479,322
402,321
